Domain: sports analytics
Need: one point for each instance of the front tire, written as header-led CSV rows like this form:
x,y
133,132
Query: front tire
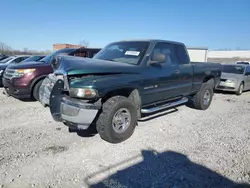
x,y
240,89
36,90
117,120
203,98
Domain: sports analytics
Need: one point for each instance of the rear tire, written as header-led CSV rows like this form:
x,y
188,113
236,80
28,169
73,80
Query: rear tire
x,y
117,120
36,90
240,89
203,98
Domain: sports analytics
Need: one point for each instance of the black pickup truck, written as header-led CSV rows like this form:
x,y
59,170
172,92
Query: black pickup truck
x,y
123,81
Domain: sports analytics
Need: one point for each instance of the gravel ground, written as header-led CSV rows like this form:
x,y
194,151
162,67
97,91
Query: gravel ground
x,y
182,147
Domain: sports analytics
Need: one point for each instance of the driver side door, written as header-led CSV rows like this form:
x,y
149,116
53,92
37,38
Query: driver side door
x,y
160,80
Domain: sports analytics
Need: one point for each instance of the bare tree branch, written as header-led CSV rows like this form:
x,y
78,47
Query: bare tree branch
x,y
7,50
84,43
4,48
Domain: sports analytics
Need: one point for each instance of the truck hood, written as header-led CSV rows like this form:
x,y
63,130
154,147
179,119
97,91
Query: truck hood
x,y
232,76
27,65
78,65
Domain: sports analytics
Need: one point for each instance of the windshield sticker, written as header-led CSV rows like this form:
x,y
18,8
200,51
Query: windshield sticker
x,y
135,53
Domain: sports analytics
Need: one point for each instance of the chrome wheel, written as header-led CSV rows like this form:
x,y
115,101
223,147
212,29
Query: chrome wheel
x,y
206,98
121,120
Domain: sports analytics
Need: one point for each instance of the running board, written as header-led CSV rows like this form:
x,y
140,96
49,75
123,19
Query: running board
x,y
164,106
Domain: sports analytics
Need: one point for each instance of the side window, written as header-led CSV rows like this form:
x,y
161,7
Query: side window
x,y
23,58
81,53
169,50
248,70
17,60
182,55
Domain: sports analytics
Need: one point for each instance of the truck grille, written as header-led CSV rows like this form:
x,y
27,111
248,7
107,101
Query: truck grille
x,y
9,73
225,87
66,83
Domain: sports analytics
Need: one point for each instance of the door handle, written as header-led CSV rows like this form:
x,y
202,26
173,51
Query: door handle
x,y
176,71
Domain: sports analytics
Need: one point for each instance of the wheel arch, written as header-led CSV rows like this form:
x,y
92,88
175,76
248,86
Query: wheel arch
x,y
243,82
34,82
208,78
130,92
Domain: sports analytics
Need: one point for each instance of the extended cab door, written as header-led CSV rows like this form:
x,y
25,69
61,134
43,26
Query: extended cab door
x,y
170,79
184,71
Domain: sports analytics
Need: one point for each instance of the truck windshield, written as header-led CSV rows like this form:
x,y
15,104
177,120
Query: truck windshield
x,y
234,69
124,52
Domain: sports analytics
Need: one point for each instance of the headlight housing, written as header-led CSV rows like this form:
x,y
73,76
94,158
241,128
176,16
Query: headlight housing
x,y
22,72
231,81
86,93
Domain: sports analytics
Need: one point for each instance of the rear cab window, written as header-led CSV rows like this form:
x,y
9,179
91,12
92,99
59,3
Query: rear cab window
x,y
182,54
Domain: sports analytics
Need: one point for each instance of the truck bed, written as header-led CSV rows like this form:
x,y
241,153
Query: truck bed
x,y
202,69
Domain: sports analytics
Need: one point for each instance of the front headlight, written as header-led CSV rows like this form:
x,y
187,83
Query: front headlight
x,y
22,72
1,71
86,93
231,81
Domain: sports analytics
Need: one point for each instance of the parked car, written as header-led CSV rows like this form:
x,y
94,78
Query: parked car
x,y
14,59
23,80
6,61
33,58
2,57
123,81
243,62
235,78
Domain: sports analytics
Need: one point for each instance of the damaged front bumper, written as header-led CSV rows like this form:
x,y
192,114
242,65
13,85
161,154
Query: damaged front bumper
x,y
72,112
76,113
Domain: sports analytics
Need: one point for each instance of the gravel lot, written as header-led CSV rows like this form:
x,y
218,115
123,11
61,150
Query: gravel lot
x,y
182,147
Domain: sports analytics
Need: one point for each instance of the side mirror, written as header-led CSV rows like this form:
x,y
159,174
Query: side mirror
x,y
158,58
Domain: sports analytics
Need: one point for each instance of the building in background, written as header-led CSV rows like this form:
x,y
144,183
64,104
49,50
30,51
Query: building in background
x,y
61,46
198,54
